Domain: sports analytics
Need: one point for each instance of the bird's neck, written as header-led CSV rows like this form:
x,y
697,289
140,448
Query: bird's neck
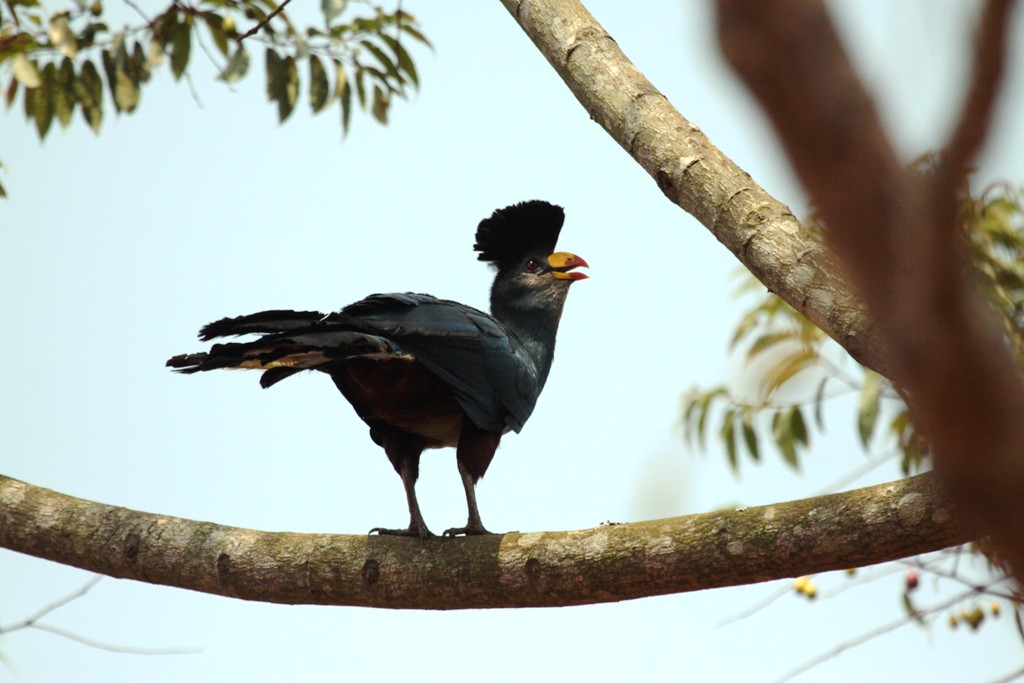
x,y
536,325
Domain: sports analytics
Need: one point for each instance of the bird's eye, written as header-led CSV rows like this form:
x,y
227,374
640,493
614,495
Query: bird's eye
x,y
532,265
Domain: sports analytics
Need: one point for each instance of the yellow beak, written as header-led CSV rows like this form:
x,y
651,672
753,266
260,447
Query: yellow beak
x,y
563,262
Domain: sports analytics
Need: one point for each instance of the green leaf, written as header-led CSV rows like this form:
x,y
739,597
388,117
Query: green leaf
x,y
125,88
819,400
405,62
126,92
331,9
381,102
750,435
237,66
704,405
319,88
361,85
87,38
782,431
28,102
343,91
155,52
26,71
688,404
913,456
275,74
12,92
291,89
181,46
728,434
282,83
138,65
61,35
110,71
867,409
768,340
415,34
43,108
215,25
385,61
64,92
746,324
89,92
799,427
787,368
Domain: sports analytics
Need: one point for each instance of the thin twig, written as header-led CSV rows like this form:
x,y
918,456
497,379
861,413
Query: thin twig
x,y
256,29
988,589
862,578
757,607
192,89
858,472
138,9
781,405
121,649
33,622
208,52
871,635
30,621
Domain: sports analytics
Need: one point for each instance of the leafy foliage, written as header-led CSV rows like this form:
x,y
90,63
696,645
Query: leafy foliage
x,y
995,223
784,354
61,62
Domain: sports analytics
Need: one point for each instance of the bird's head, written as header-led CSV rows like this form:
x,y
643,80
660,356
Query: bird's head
x,y
519,241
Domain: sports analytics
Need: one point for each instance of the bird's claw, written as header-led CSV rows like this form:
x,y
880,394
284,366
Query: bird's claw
x,y
467,531
413,532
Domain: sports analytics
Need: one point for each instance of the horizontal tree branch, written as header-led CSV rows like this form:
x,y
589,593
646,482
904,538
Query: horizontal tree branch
x,y
761,231
544,569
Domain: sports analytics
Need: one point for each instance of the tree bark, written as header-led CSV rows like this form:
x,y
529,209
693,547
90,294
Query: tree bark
x,y
546,569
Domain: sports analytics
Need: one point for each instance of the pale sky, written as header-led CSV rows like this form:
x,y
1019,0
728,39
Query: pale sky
x,y
117,248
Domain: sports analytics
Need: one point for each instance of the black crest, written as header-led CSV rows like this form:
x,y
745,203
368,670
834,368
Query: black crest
x,y
515,231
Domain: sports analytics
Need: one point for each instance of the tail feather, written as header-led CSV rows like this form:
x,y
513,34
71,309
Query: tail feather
x,y
313,346
265,322
275,375
187,363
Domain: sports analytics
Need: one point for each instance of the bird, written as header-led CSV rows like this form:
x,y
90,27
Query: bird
x,y
424,372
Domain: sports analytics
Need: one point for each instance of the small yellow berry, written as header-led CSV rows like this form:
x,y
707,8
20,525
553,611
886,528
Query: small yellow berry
x,y
974,617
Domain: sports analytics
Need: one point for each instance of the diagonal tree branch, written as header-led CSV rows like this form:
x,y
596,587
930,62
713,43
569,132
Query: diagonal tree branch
x,y
761,231
604,564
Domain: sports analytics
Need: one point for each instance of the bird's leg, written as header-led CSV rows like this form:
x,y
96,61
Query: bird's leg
x,y
474,527
404,454
475,451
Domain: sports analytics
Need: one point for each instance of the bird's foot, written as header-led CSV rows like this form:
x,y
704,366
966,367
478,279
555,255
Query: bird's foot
x,y
413,531
468,530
